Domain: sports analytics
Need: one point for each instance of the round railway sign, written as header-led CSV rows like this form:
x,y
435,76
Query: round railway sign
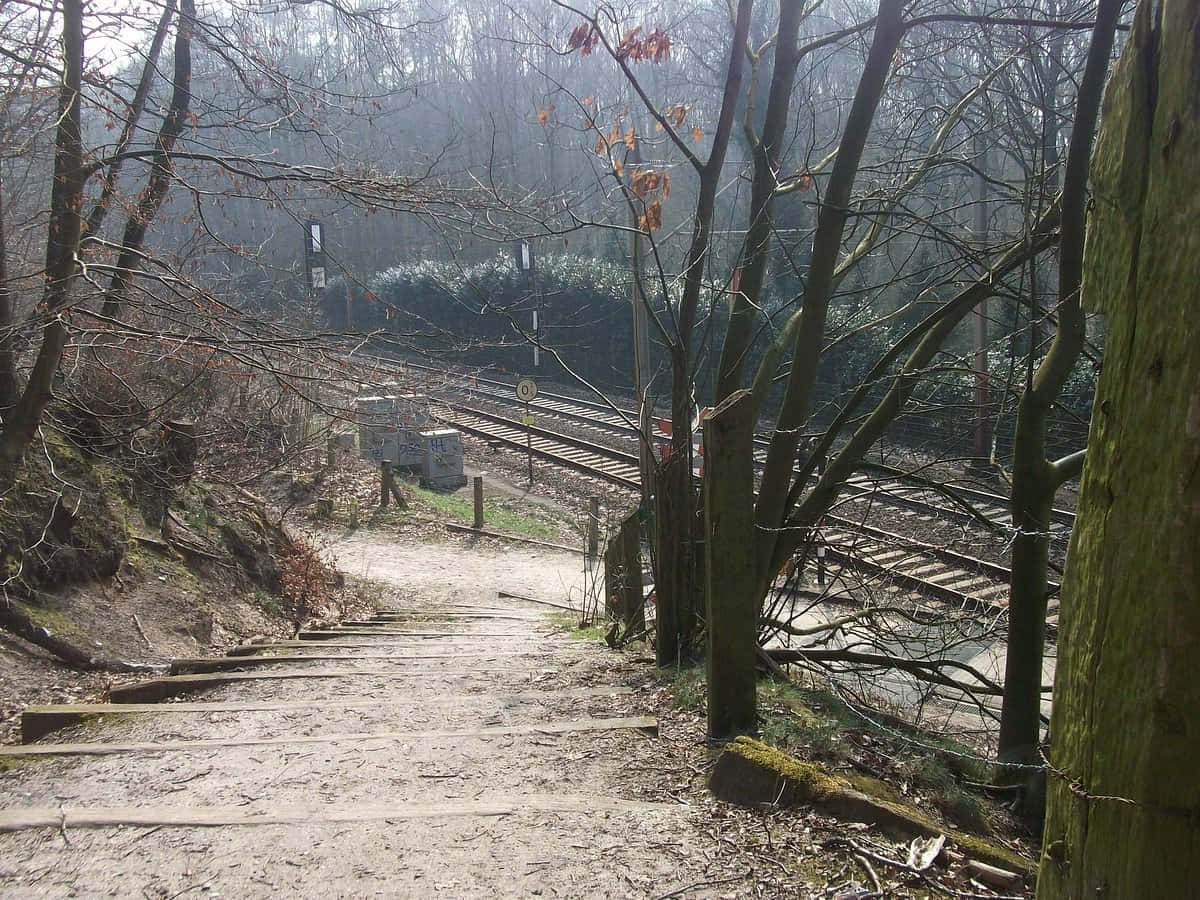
x,y
526,389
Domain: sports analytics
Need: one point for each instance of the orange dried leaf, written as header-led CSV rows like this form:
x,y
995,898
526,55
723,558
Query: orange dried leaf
x,y
543,116
697,133
652,219
630,139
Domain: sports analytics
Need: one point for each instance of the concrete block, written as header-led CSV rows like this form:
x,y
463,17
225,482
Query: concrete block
x,y
410,449
379,443
378,409
443,467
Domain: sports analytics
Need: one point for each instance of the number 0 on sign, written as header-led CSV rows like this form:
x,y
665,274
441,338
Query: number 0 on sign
x,y
526,389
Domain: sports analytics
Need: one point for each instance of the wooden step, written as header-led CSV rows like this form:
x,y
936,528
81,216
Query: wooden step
x,y
38,721
222,663
465,643
174,685
438,617
646,724
332,634
65,818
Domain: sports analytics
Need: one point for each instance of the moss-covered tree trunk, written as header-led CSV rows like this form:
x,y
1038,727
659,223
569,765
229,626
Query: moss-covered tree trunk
x,y
1124,793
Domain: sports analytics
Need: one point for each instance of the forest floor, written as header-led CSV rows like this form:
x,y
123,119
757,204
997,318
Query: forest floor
x,y
608,813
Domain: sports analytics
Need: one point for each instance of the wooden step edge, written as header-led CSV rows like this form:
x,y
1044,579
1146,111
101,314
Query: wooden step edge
x,y
646,724
39,721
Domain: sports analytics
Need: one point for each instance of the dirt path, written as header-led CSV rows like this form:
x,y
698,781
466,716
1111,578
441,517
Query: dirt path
x,y
509,811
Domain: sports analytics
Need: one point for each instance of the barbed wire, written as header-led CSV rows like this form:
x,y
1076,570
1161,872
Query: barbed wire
x,y
933,748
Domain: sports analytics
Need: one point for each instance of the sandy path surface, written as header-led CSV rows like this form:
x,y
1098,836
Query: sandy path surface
x,y
512,811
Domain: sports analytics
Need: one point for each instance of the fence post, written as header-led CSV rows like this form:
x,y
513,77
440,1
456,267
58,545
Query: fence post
x,y
593,527
478,502
729,557
623,576
385,482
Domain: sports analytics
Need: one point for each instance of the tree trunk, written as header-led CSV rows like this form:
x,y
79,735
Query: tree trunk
x,y
675,522
62,248
8,356
1032,500
14,621
1035,480
1124,794
772,506
675,509
623,576
161,172
744,305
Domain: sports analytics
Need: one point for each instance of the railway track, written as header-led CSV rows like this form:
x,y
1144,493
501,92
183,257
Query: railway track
x,y
600,419
948,575
562,449
951,576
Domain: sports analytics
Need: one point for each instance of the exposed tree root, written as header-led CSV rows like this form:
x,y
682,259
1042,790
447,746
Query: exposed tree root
x,y
16,622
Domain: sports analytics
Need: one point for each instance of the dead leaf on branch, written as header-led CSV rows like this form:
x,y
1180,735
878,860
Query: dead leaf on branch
x,y
584,39
677,113
654,47
651,219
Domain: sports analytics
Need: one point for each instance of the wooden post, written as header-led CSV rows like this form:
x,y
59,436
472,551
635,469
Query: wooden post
x,y
385,483
732,622
353,512
478,502
593,527
330,450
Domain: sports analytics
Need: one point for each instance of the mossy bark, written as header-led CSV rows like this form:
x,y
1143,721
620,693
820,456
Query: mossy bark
x,y
1124,791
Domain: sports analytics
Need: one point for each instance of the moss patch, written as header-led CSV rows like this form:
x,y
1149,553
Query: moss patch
x,y
63,521
750,773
